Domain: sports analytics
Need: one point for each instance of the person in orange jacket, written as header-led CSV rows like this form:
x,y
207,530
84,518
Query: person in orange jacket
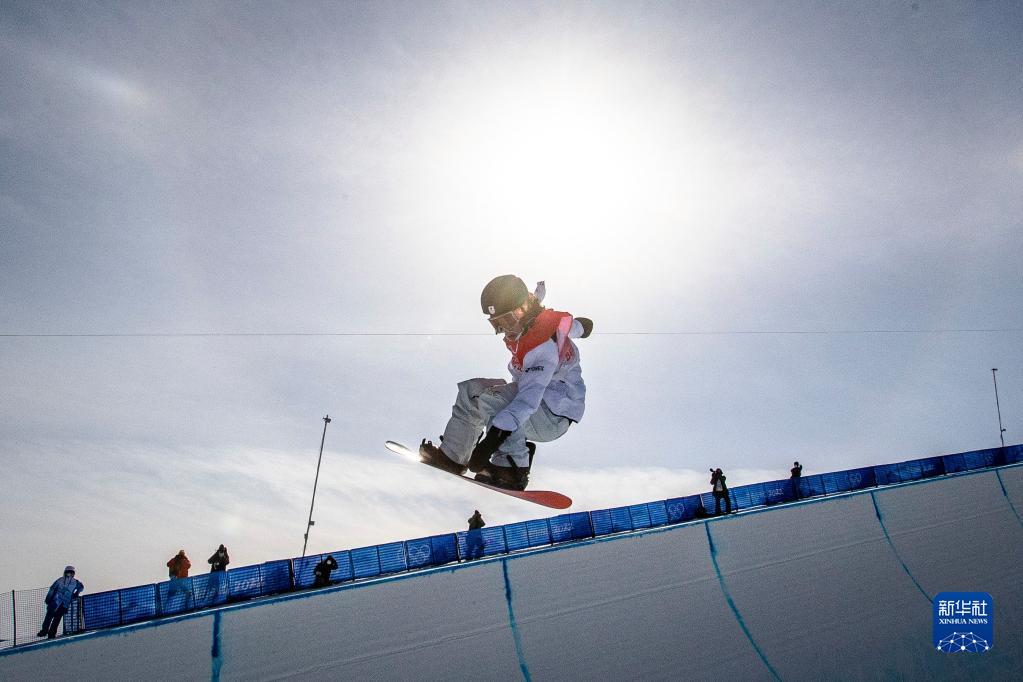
x,y
177,568
178,565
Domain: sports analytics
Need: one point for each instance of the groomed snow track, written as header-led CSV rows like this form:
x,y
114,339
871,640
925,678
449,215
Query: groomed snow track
x,y
831,588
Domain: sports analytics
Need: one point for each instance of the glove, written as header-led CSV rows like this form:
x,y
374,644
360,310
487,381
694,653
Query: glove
x,y
587,324
487,447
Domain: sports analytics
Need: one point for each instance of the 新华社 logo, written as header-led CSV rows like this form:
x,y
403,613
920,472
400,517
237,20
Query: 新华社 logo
x,y
963,622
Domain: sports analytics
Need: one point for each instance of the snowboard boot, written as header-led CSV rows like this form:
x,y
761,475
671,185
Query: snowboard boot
x,y
435,457
510,477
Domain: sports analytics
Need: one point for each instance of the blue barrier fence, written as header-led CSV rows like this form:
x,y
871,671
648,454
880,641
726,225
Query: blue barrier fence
x,y
146,602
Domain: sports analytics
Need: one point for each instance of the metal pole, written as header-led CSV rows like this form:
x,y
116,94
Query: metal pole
x,y
1001,431
14,614
326,420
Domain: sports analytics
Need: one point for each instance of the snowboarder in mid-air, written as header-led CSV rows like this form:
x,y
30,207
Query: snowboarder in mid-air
x,y
545,397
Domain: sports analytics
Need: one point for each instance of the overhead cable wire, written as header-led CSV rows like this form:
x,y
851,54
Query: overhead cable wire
x,y
740,332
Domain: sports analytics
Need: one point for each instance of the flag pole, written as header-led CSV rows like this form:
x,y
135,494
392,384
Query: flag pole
x,y
326,420
1001,431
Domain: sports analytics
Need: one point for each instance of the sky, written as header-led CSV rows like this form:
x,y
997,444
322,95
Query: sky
x,y
797,227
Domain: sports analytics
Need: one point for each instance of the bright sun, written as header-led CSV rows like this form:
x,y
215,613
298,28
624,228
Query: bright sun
x,y
547,146
565,152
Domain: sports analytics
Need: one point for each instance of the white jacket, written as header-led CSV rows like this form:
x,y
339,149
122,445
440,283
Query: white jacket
x,y
550,373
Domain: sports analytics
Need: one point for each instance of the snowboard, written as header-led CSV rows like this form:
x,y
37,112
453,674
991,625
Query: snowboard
x,y
544,498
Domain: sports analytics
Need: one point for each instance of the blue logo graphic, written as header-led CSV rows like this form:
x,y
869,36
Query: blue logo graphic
x,y
963,622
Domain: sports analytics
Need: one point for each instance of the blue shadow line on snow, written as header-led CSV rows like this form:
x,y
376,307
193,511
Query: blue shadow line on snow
x,y
216,652
732,606
516,635
880,520
1007,498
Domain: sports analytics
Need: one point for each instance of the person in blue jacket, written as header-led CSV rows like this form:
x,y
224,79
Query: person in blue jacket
x,y
58,600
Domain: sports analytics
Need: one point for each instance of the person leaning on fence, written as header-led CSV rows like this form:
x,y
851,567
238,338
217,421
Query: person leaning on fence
x,y
61,595
474,538
322,571
219,561
797,473
720,490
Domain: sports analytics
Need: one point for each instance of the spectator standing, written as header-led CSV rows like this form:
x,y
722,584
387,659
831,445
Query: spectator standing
x,y
797,473
59,598
476,521
720,490
474,538
219,561
177,569
322,571
178,565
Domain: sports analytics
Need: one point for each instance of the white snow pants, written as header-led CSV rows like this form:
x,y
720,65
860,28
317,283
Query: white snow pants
x,y
478,401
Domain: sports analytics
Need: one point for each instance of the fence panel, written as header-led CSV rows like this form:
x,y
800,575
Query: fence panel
x,y
345,566
811,486
7,622
366,562
776,492
445,548
493,542
431,551
516,536
911,470
931,467
561,528
709,503
601,522
209,589
850,479
243,583
887,474
101,610
276,576
420,553
574,526
304,567
137,603
980,459
621,520
176,596
747,496
539,532
658,513
676,507
640,515
26,617
392,558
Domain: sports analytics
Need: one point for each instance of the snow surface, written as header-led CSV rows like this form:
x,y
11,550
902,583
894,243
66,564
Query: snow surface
x,y
837,588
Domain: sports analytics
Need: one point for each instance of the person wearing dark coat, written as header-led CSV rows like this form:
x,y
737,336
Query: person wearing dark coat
x,y
476,521
322,571
219,561
797,473
474,538
59,598
720,490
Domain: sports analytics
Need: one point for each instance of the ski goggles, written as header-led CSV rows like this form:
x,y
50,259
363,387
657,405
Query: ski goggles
x,y
504,323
